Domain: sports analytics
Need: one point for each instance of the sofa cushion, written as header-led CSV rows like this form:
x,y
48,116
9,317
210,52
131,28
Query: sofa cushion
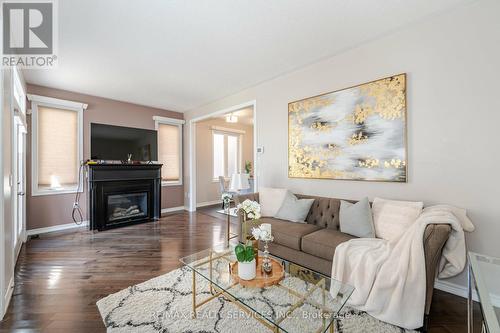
x,y
294,209
356,219
288,233
271,199
322,243
324,212
393,218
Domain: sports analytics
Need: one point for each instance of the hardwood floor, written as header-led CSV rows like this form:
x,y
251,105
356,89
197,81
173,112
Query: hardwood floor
x,y
60,276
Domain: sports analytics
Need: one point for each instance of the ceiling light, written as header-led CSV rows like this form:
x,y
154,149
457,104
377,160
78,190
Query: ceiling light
x,y
230,118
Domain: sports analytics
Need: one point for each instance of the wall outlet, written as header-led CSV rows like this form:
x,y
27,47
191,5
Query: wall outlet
x,y
260,150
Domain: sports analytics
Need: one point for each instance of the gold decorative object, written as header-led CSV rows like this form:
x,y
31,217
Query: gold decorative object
x,y
357,133
262,279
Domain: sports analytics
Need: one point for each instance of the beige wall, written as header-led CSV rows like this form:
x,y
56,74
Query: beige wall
x,y
50,210
207,190
453,67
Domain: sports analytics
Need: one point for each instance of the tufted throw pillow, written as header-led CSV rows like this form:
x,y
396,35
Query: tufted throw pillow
x,y
392,218
356,219
270,200
294,209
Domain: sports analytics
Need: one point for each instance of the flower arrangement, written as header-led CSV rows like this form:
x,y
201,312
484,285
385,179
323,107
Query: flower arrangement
x,y
251,209
226,199
262,234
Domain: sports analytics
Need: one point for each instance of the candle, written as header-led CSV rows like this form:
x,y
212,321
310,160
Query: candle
x,y
266,227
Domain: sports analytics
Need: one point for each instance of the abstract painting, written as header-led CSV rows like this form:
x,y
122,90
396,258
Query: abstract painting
x,y
357,133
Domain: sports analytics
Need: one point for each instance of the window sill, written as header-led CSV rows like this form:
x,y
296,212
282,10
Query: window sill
x,y
42,192
167,183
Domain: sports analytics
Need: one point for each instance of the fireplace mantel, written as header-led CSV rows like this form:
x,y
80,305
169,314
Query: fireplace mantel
x,y
123,194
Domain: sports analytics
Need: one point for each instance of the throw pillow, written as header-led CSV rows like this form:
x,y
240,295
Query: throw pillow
x,y
392,218
270,200
356,219
294,209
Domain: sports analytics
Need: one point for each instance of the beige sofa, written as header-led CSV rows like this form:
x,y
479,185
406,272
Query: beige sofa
x,y
313,244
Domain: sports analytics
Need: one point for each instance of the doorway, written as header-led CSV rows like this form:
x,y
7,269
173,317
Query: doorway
x,y
222,152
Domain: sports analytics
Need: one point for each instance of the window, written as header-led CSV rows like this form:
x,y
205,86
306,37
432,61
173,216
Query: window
x,y
57,140
18,91
170,149
226,152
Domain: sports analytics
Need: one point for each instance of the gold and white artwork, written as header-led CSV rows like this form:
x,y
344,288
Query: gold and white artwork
x,y
358,133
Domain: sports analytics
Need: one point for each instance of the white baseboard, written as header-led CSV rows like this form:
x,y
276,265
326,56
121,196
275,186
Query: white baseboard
x,y
45,230
454,289
209,203
462,291
172,209
8,296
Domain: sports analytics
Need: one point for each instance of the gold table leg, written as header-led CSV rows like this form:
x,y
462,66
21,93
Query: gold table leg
x,y
194,294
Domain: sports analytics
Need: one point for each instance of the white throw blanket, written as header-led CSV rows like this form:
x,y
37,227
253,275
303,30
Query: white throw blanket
x,y
389,277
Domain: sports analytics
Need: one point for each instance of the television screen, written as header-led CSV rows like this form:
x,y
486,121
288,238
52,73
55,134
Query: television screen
x,y
108,142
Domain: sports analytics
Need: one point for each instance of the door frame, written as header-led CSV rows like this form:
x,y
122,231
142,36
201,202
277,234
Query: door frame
x,y
192,147
18,114
2,231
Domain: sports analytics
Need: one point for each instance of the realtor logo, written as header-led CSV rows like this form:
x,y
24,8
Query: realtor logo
x,y
29,33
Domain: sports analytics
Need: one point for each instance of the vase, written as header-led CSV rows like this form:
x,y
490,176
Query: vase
x,y
247,270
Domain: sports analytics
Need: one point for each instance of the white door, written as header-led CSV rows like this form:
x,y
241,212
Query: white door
x,y
20,186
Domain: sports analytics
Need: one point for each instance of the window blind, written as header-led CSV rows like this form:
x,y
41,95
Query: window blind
x,y
57,147
168,151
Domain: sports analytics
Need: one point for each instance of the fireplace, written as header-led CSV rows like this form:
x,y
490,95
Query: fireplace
x,y
124,207
123,194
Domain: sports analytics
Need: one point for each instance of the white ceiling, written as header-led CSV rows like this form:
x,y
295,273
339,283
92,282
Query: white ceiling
x,y
180,54
245,116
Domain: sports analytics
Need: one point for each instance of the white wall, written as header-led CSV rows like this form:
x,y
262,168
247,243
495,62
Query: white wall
x,y
453,66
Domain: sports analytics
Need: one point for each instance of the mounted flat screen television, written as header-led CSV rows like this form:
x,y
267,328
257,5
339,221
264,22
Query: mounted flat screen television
x,y
108,142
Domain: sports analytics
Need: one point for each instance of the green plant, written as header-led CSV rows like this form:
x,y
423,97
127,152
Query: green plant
x,y
248,167
244,253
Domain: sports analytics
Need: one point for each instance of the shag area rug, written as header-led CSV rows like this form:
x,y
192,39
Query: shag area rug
x,y
164,304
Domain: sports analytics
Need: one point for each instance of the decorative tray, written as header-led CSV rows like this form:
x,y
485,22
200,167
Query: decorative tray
x,y
261,279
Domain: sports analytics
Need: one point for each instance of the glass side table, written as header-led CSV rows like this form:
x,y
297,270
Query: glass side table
x,y
484,275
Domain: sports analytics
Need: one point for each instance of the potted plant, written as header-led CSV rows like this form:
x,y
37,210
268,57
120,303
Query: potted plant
x,y
246,261
248,167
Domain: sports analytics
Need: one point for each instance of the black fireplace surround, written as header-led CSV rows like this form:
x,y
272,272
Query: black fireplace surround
x,y
123,194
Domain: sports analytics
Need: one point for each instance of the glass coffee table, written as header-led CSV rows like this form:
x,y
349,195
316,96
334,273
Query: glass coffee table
x,y
484,275
304,301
